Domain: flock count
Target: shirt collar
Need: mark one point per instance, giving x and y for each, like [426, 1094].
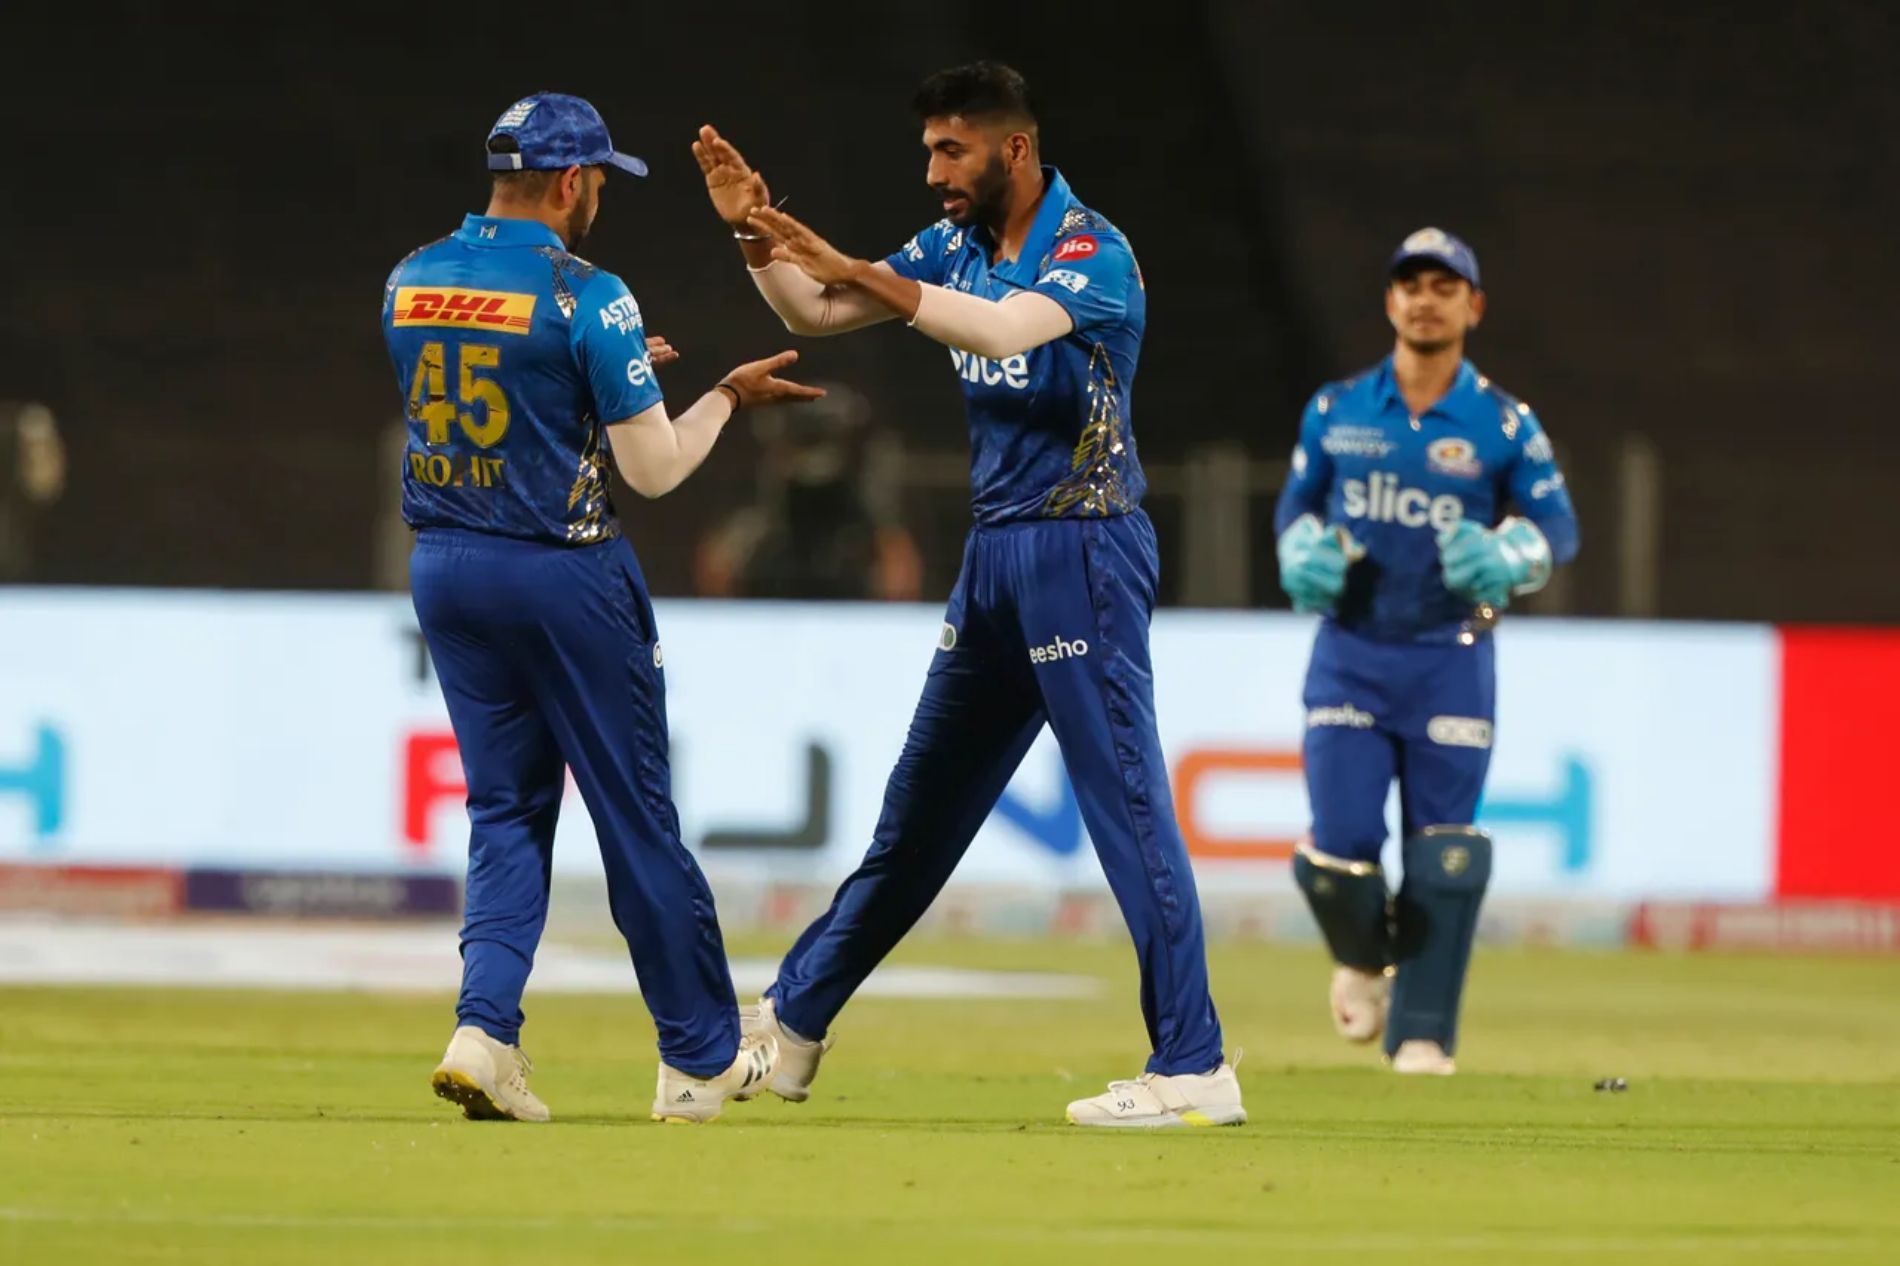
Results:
[1386, 388]
[494, 230]
[1056, 201]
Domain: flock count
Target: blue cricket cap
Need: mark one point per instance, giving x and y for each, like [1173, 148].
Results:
[552, 132]
[1439, 248]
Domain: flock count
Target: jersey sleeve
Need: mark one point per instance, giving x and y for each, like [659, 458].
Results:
[1537, 486]
[1091, 275]
[610, 347]
[1310, 480]
[922, 258]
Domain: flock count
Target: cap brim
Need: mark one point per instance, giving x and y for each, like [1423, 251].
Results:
[1425, 259]
[627, 163]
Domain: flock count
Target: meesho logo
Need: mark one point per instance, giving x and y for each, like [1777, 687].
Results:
[40, 780]
[1059, 649]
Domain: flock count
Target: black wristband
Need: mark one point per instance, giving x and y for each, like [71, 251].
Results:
[737, 399]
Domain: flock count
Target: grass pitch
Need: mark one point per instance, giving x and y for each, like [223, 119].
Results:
[1761, 1124]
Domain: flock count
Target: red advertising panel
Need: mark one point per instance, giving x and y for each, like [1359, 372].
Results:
[1840, 762]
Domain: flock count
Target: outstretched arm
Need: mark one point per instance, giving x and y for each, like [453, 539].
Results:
[656, 452]
[975, 324]
[811, 307]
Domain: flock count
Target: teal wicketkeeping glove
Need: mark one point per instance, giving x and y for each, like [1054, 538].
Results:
[1313, 562]
[1489, 566]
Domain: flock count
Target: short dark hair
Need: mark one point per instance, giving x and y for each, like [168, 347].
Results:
[529, 186]
[980, 90]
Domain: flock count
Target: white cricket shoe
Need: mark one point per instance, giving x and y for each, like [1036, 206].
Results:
[487, 1078]
[1420, 1057]
[1153, 1101]
[1361, 1000]
[797, 1056]
[683, 1100]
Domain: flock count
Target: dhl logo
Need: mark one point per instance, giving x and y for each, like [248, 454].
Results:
[488, 309]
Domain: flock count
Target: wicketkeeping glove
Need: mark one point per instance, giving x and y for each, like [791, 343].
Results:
[1313, 562]
[1488, 566]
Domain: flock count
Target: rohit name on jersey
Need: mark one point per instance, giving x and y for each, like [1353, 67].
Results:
[458, 470]
[1378, 498]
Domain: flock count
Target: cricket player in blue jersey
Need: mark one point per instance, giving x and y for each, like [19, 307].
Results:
[1042, 307]
[1393, 524]
[526, 371]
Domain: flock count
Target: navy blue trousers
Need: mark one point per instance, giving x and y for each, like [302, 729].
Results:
[1048, 623]
[1376, 711]
[549, 660]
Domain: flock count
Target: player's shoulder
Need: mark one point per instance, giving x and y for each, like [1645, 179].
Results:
[940, 239]
[1084, 231]
[1345, 393]
[1514, 416]
[413, 257]
[574, 282]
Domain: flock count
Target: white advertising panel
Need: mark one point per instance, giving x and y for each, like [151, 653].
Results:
[1630, 760]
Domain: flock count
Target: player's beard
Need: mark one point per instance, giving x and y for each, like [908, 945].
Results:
[1428, 346]
[989, 200]
[579, 221]
[987, 197]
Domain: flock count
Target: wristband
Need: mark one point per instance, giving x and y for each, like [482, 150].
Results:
[737, 400]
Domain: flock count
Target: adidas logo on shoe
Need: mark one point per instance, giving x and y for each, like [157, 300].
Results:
[682, 1098]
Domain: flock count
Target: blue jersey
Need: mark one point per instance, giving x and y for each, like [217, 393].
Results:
[1050, 435]
[1396, 482]
[513, 355]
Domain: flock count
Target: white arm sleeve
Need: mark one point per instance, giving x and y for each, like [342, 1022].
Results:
[655, 453]
[996, 330]
[807, 307]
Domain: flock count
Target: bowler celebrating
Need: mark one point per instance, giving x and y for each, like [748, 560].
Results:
[1393, 524]
[1042, 306]
[527, 370]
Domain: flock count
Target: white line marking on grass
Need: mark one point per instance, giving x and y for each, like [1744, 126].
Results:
[401, 960]
[1358, 1243]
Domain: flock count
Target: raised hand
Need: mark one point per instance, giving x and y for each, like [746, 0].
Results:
[755, 381]
[735, 189]
[797, 244]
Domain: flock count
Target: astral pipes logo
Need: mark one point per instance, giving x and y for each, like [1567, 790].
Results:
[41, 780]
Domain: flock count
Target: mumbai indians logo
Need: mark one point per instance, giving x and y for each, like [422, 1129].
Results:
[1427, 241]
[517, 114]
[1454, 457]
[1456, 859]
[502, 311]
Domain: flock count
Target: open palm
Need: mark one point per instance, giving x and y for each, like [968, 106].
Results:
[735, 189]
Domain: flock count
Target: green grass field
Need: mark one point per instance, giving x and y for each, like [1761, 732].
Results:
[1762, 1124]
